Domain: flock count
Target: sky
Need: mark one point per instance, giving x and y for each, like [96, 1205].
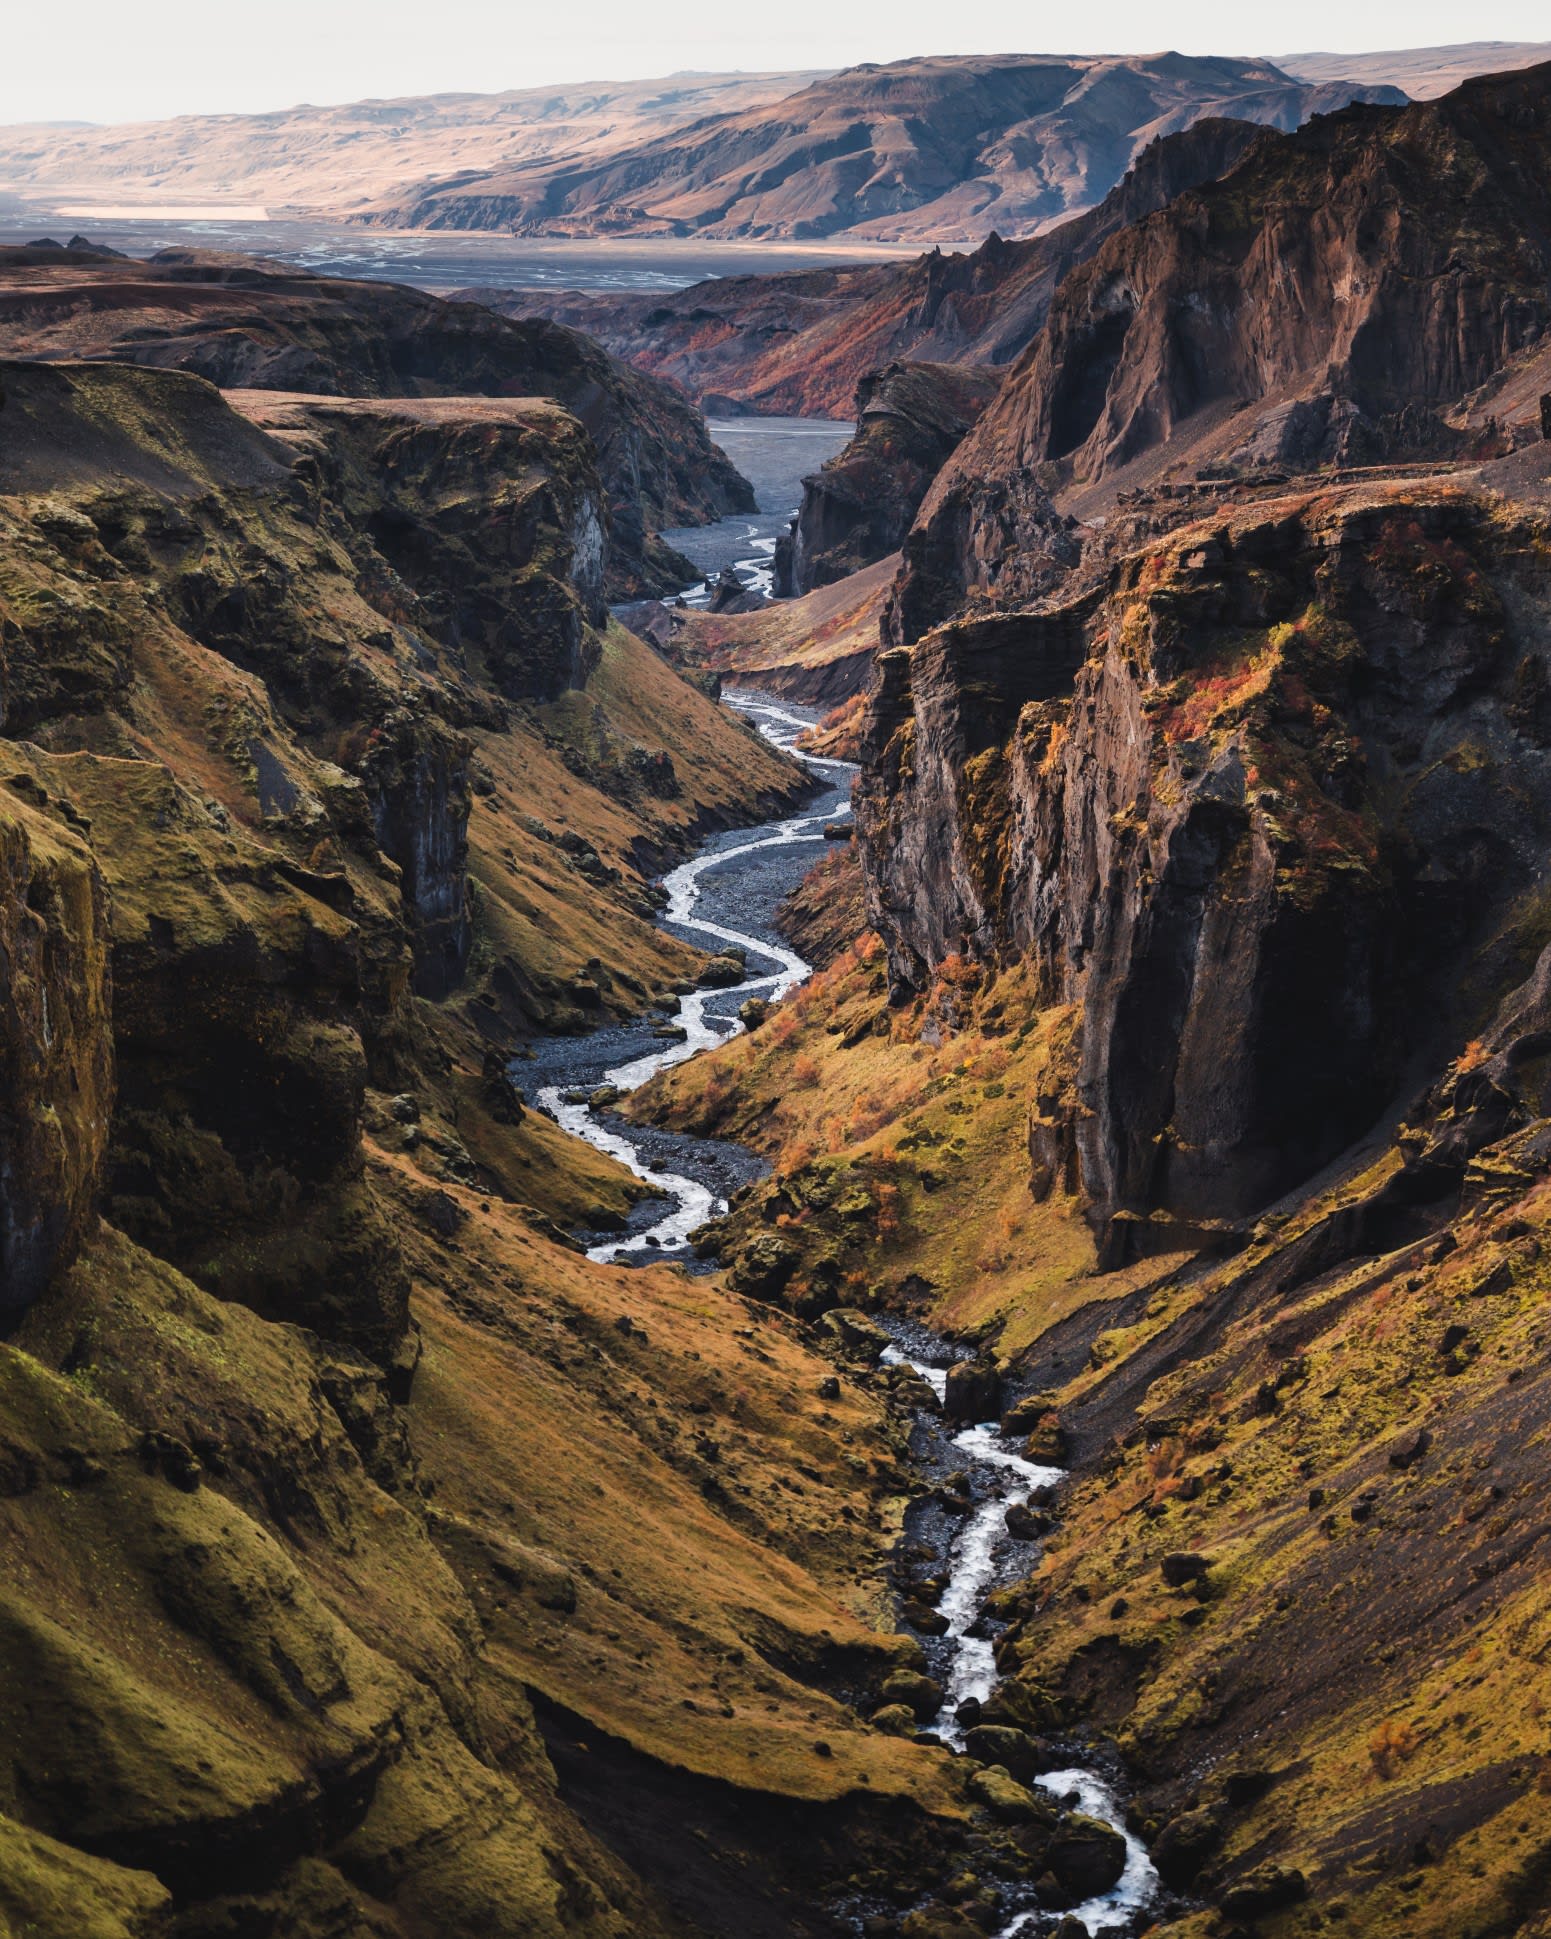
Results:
[108, 60]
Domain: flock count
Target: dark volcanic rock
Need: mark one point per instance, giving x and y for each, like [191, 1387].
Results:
[801, 341]
[910, 417]
[1326, 300]
[56, 1044]
[1247, 835]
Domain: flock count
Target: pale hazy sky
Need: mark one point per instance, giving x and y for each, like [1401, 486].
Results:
[118, 60]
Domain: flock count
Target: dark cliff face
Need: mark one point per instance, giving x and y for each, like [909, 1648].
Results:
[245, 325]
[1327, 300]
[800, 342]
[1252, 804]
[56, 1041]
[370, 578]
[860, 506]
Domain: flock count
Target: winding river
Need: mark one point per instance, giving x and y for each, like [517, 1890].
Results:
[727, 895]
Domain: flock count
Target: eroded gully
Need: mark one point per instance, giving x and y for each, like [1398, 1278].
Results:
[734, 875]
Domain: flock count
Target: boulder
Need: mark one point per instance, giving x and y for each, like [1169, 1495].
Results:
[895, 1720]
[1410, 1448]
[1023, 1755]
[722, 972]
[1025, 1414]
[1004, 1797]
[923, 1694]
[1022, 1705]
[1267, 1890]
[1182, 1568]
[974, 1391]
[856, 1332]
[1086, 1855]
[1047, 1444]
[763, 1269]
[1026, 1524]
[1183, 1846]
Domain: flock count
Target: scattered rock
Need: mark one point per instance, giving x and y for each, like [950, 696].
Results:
[924, 1619]
[829, 1388]
[1026, 1524]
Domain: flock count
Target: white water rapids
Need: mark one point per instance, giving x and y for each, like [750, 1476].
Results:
[974, 1555]
[972, 1569]
[693, 1202]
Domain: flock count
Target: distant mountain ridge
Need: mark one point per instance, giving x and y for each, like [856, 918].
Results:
[1423, 72]
[934, 149]
[801, 341]
[339, 157]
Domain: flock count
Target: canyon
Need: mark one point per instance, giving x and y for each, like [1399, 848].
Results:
[863, 1263]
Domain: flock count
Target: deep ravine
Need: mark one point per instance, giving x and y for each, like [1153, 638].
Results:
[982, 1552]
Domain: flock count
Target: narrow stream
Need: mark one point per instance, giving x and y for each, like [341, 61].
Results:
[742, 876]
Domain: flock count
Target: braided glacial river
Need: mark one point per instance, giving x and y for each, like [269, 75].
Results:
[728, 895]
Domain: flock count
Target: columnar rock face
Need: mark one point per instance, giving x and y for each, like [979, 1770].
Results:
[56, 1041]
[860, 506]
[1251, 804]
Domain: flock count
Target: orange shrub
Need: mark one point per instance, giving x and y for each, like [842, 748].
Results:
[1391, 1745]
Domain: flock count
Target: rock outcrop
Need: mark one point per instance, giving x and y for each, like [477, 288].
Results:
[245, 325]
[857, 510]
[56, 1041]
[1329, 300]
[1252, 805]
[800, 341]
